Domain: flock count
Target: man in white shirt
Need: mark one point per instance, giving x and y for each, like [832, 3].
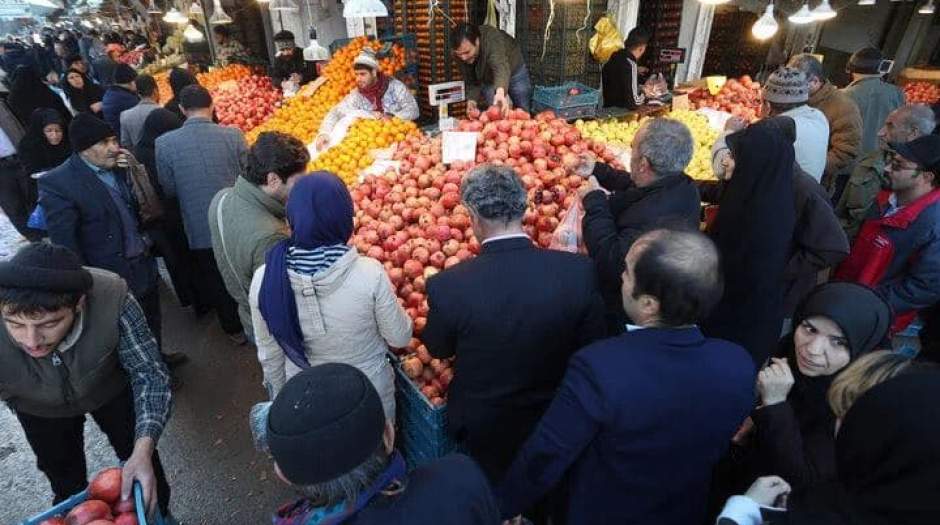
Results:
[375, 92]
[786, 93]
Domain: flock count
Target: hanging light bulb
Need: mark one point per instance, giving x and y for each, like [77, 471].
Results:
[927, 9]
[866, 2]
[283, 5]
[153, 9]
[196, 9]
[219, 16]
[191, 34]
[314, 51]
[263, 1]
[766, 26]
[714, 2]
[803, 16]
[364, 9]
[173, 16]
[823, 11]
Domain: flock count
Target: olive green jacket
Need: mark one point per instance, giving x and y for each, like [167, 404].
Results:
[866, 180]
[499, 58]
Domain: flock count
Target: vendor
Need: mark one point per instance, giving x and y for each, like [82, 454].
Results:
[74, 342]
[227, 47]
[621, 74]
[289, 63]
[493, 69]
[375, 92]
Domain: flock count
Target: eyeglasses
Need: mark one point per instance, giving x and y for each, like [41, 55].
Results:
[896, 162]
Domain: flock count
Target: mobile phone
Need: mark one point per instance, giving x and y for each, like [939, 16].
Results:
[885, 66]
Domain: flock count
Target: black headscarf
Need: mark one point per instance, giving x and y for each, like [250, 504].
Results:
[30, 93]
[179, 79]
[753, 232]
[864, 318]
[82, 99]
[158, 122]
[34, 150]
[887, 457]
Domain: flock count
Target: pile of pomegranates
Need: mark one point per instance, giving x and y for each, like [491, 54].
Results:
[104, 505]
[413, 222]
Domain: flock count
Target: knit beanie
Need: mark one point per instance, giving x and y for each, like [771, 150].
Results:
[325, 422]
[86, 130]
[925, 151]
[865, 61]
[46, 267]
[786, 85]
[124, 74]
[367, 58]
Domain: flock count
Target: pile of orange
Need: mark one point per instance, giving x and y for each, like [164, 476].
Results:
[163, 85]
[301, 116]
[211, 79]
[353, 153]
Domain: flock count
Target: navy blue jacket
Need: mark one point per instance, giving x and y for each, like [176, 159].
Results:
[117, 99]
[513, 317]
[82, 216]
[638, 424]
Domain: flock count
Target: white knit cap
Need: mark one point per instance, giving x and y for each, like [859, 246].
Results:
[367, 58]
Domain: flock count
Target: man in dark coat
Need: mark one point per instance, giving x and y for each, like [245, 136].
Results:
[512, 317]
[289, 63]
[640, 420]
[91, 209]
[655, 193]
[621, 74]
[351, 473]
[120, 96]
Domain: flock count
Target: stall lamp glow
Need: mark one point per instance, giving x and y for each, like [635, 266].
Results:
[283, 5]
[364, 9]
[823, 11]
[98, 20]
[87, 24]
[153, 9]
[173, 16]
[866, 2]
[219, 16]
[191, 34]
[263, 1]
[196, 9]
[766, 26]
[927, 9]
[714, 2]
[803, 16]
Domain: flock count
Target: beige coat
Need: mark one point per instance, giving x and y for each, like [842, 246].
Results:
[348, 314]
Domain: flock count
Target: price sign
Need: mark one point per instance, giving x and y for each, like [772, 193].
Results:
[680, 102]
[459, 145]
[672, 55]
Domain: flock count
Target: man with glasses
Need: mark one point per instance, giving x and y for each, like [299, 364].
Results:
[897, 249]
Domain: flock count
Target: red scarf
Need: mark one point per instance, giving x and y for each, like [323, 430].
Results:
[376, 91]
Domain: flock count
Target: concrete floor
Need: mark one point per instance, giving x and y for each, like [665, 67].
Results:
[215, 473]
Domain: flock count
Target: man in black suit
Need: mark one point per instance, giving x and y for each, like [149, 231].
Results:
[512, 316]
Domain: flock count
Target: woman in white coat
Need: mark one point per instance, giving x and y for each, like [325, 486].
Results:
[316, 300]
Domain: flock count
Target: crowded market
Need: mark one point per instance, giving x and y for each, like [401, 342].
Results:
[482, 262]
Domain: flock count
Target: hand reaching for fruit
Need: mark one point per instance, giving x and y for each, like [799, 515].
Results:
[585, 166]
[735, 123]
[592, 185]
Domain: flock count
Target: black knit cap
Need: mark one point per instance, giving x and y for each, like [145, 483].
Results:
[326, 421]
[86, 130]
[124, 74]
[925, 151]
[46, 267]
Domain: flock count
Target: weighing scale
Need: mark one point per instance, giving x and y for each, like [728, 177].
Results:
[441, 95]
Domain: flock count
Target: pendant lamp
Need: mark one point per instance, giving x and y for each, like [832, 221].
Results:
[803, 16]
[219, 16]
[766, 26]
[927, 9]
[823, 11]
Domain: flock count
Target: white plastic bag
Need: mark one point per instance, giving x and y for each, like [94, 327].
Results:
[567, 236]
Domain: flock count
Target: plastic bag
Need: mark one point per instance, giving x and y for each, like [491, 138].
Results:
[606, 40]
[567, 236]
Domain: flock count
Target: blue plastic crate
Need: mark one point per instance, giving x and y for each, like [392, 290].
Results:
[572, 113]
[422, 435]
[557, 96]
[64, 507]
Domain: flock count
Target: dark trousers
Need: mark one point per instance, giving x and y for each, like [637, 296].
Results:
[18, 197]
[59, 446]
[212, 287]
[150, 303]
[169, 242]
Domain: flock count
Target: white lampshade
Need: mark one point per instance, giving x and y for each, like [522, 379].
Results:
[219, 16]
[927, 9]
[191, 34]
[803, 16]
[364, 9]
[766, 26]
[283, 5]
[263, 1]
[153, 9]
[173, 16]
[866, 2]
[196, 9]
[714, 2]
[823, 11]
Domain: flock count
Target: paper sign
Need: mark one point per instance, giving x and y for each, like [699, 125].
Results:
[459, 146]
[680, 102]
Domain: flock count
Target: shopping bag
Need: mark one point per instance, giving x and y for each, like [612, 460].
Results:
[567, 236]
[606, 40]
